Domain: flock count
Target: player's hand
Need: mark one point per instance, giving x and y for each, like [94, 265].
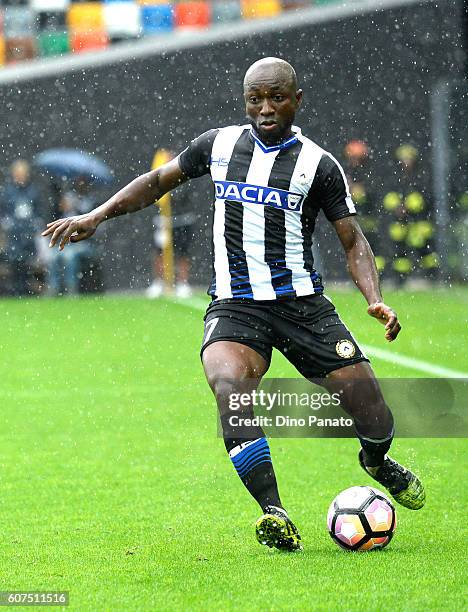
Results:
[71, 229]
[387, 317]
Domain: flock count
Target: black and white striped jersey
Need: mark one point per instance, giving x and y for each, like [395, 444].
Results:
[266, 202]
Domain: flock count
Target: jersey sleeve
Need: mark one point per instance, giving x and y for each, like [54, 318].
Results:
[331, 189]
[194, 161]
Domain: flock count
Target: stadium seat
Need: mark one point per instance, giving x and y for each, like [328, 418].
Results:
[14, 2]
[289, 5]
[192, 14]
[49, 5]
[253, 9]
[157, 18]
[225, 11]
[51, 21]
[20, 48]
[87, 41]
[19, 21]
[86, 16]
[53, 43]
[122, 19]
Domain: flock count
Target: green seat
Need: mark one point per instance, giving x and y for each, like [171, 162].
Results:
[53, 43]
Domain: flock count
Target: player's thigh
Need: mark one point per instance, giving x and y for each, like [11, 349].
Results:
[236, 351]
[225, 359]
[236, 343]
[314, 338]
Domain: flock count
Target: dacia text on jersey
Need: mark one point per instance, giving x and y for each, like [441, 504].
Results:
[255, 194]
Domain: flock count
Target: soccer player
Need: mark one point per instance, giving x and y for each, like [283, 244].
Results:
[270, 182]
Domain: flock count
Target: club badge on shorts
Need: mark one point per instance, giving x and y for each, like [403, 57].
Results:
[345, 349]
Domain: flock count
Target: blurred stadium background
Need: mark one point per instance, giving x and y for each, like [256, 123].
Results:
[385, 92]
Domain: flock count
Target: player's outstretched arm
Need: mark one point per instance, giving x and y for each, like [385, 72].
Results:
[361, 266]
[140, 193]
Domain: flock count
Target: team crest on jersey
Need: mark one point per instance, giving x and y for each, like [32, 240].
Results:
[255, 194]
[345, 349]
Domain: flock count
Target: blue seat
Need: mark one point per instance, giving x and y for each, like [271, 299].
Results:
[19, 21]
[157, 18]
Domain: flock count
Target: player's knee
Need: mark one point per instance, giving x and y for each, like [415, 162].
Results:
[225, 390]
[388, 414]
[379, 408]
[228, 384]
[221, 373]
[230, 374]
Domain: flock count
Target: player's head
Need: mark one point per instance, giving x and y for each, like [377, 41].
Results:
[271, 98]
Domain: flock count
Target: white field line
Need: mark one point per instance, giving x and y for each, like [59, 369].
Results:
[374, 351]
[411, 362]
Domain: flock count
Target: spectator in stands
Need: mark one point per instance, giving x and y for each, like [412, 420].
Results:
[183, 221]
[357, 170]
[20, 221]
[64, 269]
[409, 225]
[4, 267]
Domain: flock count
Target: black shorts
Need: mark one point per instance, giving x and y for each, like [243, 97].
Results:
[182, 238]
[307, 330]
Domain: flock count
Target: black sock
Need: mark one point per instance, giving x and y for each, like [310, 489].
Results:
[252, 461]
[375, 449]
[373, 419]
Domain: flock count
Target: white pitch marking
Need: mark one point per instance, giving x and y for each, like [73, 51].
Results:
[411, 362]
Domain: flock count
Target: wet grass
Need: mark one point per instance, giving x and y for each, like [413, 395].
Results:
[115, 487]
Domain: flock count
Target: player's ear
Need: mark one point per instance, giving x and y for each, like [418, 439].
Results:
[299, 94]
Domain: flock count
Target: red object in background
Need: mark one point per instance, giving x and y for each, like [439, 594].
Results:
[192, 14]
[20, 48]
[88, 40]
[356, 148]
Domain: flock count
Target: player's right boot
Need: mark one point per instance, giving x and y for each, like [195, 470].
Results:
[275, 528]
[404, 486]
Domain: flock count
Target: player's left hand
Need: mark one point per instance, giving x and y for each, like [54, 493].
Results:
[387, 317]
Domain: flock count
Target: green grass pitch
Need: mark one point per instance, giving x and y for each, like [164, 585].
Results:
[115, 487]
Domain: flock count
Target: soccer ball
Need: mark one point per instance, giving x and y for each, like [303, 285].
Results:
[361, 518]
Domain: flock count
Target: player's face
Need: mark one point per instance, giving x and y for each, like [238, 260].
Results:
[271, 103]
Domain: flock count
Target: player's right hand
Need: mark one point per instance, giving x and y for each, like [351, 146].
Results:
[71, 229]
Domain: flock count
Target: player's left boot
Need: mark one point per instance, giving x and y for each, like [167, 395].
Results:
[275, 528]
[404, 486]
